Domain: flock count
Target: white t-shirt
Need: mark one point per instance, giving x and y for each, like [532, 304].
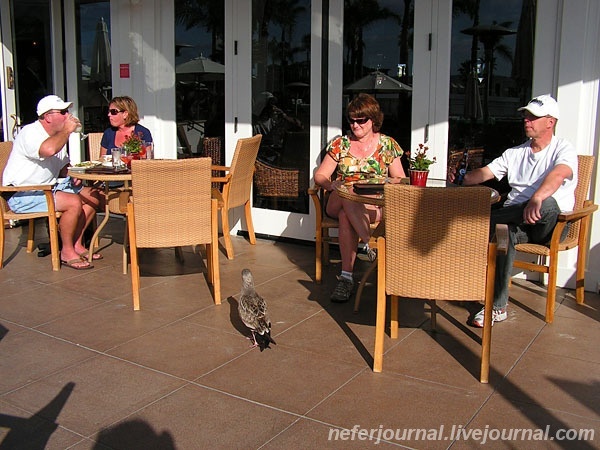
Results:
[25, 166]
[527, 170]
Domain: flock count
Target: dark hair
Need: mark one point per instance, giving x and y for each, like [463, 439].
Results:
[126, 103]
[365, 105]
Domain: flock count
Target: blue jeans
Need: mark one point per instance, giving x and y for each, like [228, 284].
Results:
[520, 232]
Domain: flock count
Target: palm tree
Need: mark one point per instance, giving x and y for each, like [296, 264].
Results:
[358, 14]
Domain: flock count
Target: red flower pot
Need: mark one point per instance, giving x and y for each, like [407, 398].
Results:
[418, 177]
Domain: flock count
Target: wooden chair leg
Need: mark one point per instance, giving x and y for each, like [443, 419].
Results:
[31, 236]
[249, 223]
[226, 235]
[2, 237]
[380, 316]
[125, 248]
[394, 324]
[54, 246]
[551, 295]
[318, 255]
[213, 250]
[133, 252]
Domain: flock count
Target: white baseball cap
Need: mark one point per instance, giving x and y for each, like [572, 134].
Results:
[542, 105]
[50, 102]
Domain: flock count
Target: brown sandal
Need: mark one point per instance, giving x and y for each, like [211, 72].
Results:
[77, 264]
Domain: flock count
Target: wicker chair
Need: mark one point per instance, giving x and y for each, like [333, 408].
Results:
[236, 189]
[161, 214]
[94, 147]
[577, 236]
[7, 214]
[427, 234]
[278, 182]
[475, 158]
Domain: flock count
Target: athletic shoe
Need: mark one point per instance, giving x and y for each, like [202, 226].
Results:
[498, 315]
[343, 290]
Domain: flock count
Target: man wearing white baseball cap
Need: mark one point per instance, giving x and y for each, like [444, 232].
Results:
[542, 174]
[39, 156]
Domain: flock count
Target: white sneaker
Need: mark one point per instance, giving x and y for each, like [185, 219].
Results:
[498, 315]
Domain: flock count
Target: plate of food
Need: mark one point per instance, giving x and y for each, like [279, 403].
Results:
[82, 166]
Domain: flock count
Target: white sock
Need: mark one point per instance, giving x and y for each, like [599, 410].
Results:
[347, 275]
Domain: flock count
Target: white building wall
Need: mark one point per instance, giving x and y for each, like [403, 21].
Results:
[567, 64]
[143, 41]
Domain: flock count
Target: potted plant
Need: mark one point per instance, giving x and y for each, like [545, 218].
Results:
[419, 166]
[134, 146]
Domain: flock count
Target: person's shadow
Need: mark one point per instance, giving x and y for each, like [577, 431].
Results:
[34, 432]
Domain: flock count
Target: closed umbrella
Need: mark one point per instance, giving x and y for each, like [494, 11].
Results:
[101, 60]
[473, 109]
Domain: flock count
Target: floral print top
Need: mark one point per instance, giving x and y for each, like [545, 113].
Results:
[351, 168]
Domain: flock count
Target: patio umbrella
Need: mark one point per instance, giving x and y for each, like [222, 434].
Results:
[377, 82]
[100, 70]
[473, 108]
[201, 66]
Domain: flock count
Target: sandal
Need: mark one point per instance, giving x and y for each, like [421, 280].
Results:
[95, 256]
[77, 264]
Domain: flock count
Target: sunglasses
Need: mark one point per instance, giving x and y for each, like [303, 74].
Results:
[360, 121]
[62, 112]
[114, 112]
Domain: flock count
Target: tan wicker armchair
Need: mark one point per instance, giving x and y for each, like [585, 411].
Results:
[279, 182]
[577, 236]
[237, 184]
[427, 234]
[94, 148]
[162, 214]
[7, 214]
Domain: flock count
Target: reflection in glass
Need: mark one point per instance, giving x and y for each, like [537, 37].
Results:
[200, 78]
[33, 62]
[378, 61]
[491, 73]
[280, 103]
[94, 64]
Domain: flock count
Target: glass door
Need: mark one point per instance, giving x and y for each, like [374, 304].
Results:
[491, 75]
[200, 78]
[27, 61]
[281, 67]
[378, 60]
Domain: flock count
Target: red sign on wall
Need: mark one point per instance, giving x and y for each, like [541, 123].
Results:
[124, 70]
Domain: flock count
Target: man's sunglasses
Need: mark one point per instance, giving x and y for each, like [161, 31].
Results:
[62, 112]
[360, 121]
[114, 112]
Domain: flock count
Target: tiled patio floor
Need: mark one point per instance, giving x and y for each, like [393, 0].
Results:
[80, 369]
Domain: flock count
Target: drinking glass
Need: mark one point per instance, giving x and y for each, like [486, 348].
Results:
[116, 157]
[149, 149]
[79, 130]
[126, 157]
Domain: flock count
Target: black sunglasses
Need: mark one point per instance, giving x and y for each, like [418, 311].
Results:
[360, 121]
[114, 112]
[62, 112]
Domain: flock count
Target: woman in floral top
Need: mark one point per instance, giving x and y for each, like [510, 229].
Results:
[362, 154]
